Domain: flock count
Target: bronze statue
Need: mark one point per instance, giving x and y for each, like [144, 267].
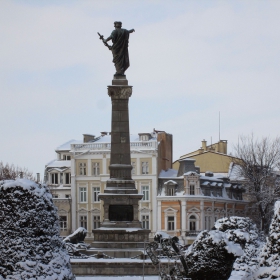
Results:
[119, 37]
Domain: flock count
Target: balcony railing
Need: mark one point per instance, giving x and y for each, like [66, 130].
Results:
[107, 146]
[192, 232]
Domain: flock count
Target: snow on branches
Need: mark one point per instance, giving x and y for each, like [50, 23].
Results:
[231, 249]
[30, 245]
[270, 254]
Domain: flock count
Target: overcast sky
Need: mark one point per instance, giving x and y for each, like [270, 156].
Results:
[189, 60]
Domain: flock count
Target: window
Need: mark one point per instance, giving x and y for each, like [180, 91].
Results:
[83, 221]
[133, 170]
[95, 169]
[192, 222]
[63, 222]
[96, 222]
[54, 178]
[191, 189]
[55, 195]
[145, 167]
[170, 191]
[95, 191]
[67, 196]
[61, 178]
[83, 194]
[82, 168]
[145, 192]
[66, 157]
[145, 222]
[170, 223]
[68, 178]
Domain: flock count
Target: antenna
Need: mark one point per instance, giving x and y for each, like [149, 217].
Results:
[219, 126]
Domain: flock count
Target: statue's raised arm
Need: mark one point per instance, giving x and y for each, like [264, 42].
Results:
[120, 38]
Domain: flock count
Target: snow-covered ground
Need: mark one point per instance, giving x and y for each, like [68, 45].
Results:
[118, 277]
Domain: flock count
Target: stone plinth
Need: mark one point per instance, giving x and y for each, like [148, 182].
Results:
[113, 267]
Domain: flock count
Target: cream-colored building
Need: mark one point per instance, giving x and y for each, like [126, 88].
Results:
[89, 169]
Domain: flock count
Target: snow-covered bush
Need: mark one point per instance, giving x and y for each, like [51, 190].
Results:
[30, 246]
[243, 231]
[211, 256]
[270, 254]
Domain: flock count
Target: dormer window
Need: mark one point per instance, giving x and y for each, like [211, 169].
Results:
[65, 157]
[170, 191]
[144, 136]
[170, 188]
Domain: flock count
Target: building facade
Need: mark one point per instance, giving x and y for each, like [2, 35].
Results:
[88, 163]
[188, 202]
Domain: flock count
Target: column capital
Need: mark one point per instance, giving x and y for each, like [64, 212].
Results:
[119, 92]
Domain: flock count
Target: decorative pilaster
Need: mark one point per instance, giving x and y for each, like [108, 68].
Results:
[202, 226]
[184, 218]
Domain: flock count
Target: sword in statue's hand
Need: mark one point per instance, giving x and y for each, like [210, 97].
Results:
[101, 37]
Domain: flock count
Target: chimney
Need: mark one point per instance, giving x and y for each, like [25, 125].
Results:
[200, 150]
[204, 144]
[21, 175]
[88, 138]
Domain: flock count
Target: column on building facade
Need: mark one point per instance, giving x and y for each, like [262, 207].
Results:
[138, 167]
[154, 189]
[202, 224]
[73, 195]
[226, 207]
[159, 215]
[184, 217]
[104, 164]
[213, 213]
[89, 167]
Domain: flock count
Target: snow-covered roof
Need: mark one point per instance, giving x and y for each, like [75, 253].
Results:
[170, 182]
[170, 173]
[67, 146]
[190, 173]
[107, 139]
[59, 163]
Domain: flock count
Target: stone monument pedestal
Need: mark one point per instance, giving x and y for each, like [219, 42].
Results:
[120, 228]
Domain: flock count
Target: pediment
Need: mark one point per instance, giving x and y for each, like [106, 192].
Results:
[170, 210]
[194, 209]
[145, 210]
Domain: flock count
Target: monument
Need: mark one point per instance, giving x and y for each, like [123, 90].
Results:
[121, 228]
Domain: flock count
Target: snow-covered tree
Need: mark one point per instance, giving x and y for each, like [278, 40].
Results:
[244, 232]
[211, 256]
[256, 161]
[30, 246]
[10, 171]
[270, 254]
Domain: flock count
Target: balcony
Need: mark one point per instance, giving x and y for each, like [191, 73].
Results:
[139, 145]
[192, 232]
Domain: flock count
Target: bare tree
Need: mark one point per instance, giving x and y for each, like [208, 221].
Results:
[9, 172]
[257, 162]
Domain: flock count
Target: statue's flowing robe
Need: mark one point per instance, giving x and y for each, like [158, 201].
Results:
[120, 49]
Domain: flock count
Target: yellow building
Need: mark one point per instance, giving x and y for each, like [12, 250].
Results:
[209, 158]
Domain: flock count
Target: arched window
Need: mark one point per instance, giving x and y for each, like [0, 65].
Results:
[192, 220]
